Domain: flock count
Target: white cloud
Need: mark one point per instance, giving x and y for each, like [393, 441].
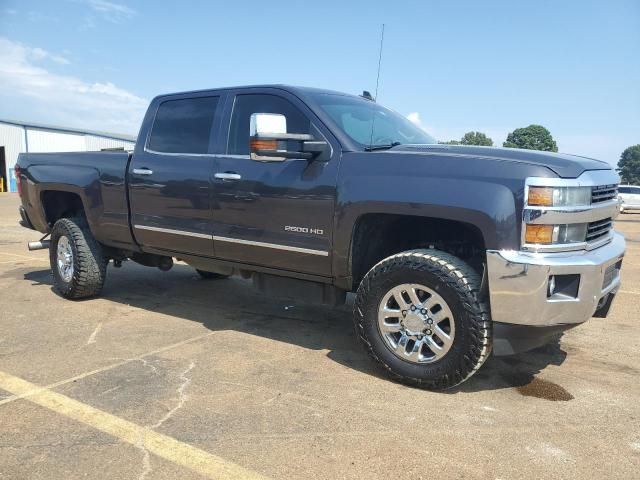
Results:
[31, 92]
[38, 54]
[113, 12]
[414, 117]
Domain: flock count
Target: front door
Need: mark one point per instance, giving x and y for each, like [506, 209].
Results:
[275, 213]
[170, 176]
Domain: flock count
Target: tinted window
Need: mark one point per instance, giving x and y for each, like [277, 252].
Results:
[624, 190]
[245, 105]
[183, 126]
[368, 123]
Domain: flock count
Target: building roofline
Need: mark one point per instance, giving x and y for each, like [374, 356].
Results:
[44, 126]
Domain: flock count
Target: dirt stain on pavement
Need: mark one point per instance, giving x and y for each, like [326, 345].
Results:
[544, 389]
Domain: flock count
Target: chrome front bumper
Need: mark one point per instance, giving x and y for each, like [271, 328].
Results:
[519, 282]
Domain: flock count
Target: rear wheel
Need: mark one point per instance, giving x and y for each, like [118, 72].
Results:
[211, 275]
[420, 316]
[78, 263]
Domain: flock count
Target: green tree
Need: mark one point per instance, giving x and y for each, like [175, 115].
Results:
[533, 137]
[476, 138]
[629, 165]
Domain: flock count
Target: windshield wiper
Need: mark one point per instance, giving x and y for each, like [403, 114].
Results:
[384, 146]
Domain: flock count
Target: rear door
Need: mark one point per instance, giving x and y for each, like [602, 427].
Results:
[274, 213]
[170, 174]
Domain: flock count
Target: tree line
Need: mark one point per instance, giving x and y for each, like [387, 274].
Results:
[537, 137]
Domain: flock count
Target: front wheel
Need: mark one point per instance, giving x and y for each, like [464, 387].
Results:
[420, 316]
[78, 263]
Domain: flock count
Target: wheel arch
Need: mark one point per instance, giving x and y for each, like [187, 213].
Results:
[376, 236]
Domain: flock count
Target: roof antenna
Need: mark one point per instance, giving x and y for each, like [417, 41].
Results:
[373, 119]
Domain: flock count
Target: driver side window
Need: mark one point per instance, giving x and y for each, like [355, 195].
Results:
[245, 105]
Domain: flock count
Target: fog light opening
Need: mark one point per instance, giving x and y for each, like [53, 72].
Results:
[551, 286]
[563, 287]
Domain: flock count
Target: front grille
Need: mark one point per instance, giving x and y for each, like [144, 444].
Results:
[603, 193]
[599, 229]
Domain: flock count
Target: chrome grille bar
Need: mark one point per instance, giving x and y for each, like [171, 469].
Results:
[598, 229]
[603, 193]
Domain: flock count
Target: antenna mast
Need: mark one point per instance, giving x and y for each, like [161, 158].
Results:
[379, 61]
[375, 99]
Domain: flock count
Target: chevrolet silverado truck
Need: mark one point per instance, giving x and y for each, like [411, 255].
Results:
[452, 251]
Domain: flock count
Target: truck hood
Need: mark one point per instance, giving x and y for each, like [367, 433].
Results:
[564, 165]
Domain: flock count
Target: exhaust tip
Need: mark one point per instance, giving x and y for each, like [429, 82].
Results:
[41, 245]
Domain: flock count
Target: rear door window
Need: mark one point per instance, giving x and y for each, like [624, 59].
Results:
[183, 125]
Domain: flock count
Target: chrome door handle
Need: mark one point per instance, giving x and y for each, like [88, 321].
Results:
[142, 171]
[228, 176]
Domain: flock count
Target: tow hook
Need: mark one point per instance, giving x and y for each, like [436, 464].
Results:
[41, 244]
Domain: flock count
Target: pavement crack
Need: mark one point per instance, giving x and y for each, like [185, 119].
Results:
[147, 468]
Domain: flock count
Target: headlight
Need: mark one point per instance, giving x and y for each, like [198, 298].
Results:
[555, 234]
[559, 196]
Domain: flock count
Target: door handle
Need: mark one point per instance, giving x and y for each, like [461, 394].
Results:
[142, 171]
[228, 176]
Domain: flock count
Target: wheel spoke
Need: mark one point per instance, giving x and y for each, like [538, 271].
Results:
[437, 350]
[439, 316]
[399, 298]
[391, 313]
[414, 355]
[413, 294]
[387, 327]
[401, 346]
[430, 302]
[446, 339]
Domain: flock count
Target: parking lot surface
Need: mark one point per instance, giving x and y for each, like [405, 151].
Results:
[170, 376]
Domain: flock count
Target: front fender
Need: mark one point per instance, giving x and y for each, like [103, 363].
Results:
[489, 207]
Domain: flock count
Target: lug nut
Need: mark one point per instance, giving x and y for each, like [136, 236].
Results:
[428, 332]
[404, 313]
[413, 308]
[429, 321]
[423, 311]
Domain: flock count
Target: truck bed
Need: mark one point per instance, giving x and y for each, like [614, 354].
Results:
[98, 179]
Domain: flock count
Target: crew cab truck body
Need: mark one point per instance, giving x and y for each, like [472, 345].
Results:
[452, 251]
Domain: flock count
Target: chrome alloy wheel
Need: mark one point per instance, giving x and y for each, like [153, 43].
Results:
[64, 259]
[416, 323]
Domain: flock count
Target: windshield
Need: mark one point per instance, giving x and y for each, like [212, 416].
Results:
[355, 116]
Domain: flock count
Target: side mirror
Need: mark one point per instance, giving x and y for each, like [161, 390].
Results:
[270, 142]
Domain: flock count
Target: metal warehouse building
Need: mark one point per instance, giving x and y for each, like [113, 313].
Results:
[19, 137]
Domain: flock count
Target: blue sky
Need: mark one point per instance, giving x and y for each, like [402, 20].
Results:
[453, 66]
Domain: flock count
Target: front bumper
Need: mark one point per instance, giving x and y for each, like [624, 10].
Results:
[519, 284]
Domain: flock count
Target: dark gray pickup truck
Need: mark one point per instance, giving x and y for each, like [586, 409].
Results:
[452, 251]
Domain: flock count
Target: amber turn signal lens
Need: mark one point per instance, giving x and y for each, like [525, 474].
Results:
[539, 234]
[541, 196]
[257, 144]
